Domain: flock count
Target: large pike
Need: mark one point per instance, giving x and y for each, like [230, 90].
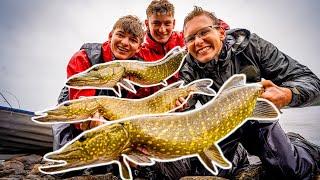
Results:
[113, 108]
[114, 74]
[168, 137]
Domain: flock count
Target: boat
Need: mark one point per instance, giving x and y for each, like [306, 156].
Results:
[20, 135]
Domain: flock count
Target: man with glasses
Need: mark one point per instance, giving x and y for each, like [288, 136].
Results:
[216, 54]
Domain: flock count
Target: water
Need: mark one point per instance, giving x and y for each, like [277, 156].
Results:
[305, 121]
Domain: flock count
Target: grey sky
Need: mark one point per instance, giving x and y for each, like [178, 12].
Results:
[39, 37]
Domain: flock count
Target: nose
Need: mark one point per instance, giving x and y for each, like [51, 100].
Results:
[162, 28]
[198, 40]
[125, 41]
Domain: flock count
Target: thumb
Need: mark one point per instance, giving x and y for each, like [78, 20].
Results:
[267, 83]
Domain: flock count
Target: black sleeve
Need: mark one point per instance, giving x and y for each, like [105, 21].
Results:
[286, 72]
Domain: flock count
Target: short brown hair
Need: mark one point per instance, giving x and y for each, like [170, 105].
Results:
[157, 7]
[197, 11]
[130, 24]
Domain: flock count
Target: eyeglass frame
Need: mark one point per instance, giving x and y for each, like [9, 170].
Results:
[187, 39]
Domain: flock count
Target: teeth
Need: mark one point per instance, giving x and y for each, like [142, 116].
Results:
[203, 50]
[122, 49]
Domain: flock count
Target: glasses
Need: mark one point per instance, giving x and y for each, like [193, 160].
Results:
[202, 33]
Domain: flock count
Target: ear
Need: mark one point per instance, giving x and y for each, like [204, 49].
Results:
[146, 22]
[110, 35]
[139, 48]
[222, 33]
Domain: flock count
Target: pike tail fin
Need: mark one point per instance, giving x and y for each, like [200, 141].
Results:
[202, 86]
[265, 111]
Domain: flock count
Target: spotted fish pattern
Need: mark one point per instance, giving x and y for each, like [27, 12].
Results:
[113, 108]
[114, 75]
[168, 137]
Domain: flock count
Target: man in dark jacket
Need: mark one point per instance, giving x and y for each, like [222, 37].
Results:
[216, 54]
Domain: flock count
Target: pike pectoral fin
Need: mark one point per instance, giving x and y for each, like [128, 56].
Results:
[216, 155]
[164, 83]
[125, 83]
[265, 111]
[139, 158]
[208, 163]
[125, 170]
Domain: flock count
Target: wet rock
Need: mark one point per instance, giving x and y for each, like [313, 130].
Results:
[29, 160]
[6, 172]
[108, 176]
[17, 166]
[202, 178]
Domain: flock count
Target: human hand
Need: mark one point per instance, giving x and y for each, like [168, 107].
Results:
[279, 96]
[91, 124]
[179, 103]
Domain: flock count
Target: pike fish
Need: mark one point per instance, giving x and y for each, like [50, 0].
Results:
[112, 75]
[168, 137]
[113, 108]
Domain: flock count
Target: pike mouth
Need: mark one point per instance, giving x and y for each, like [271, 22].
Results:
[82, 81]
[68, 155]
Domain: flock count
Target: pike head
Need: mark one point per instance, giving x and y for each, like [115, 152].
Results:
[99, 146]
[100, 76]
[74, 110]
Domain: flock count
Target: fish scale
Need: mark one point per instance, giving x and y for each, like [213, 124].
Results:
[112, 108]
[172, 136]
[115, 74]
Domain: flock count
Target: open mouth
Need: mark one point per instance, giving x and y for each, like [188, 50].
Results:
[203, 50]
[122, 49]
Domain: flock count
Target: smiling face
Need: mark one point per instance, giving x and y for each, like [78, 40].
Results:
[206, 39]
[124, 45]
[160, 27]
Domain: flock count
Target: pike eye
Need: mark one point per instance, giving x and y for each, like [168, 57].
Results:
[95, 68]
[67, 104]
[82, 138]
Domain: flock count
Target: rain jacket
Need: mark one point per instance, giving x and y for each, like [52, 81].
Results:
[247, 53]
[153, 51]
[89, 55]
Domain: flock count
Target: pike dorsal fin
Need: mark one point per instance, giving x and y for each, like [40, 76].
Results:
[234, 81]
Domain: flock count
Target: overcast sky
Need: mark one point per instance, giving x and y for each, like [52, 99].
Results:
[39, 37]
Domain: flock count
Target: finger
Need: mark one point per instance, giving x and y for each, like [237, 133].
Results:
[178, 103]
[85, 125]
[267, 83]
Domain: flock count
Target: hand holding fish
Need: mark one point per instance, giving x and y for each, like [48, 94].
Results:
[83, 126]
[279, 96]
[181, 102]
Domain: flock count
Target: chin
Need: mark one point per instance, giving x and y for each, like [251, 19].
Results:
[162, 40]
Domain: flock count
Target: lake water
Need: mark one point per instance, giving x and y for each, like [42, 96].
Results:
[305, 121]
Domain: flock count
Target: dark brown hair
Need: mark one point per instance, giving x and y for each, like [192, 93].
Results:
[130, 24]
[197, 11]
[158, 7]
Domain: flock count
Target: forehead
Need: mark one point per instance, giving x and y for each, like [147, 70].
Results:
[197, 23]
[125, 33]
[161, 17]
